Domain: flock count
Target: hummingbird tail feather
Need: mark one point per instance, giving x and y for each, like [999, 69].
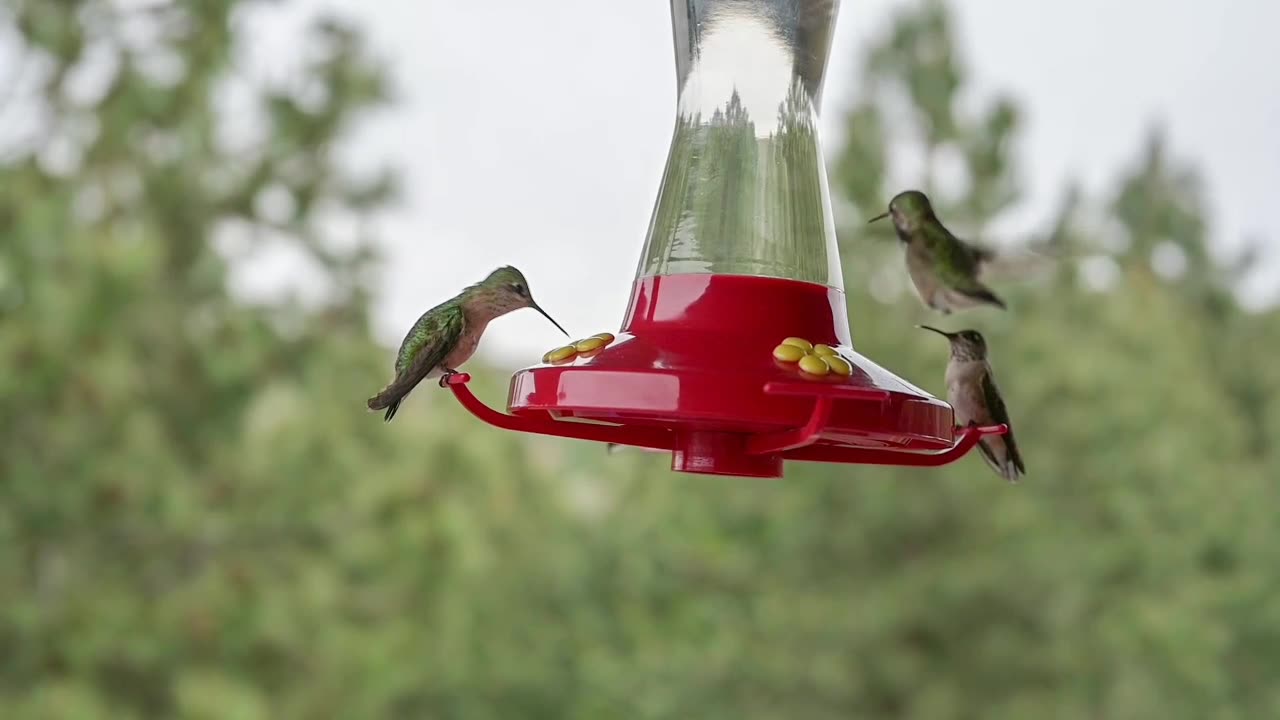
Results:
[1018, 468]
[390, 398]
[392, 395]
[391, 411]
[1011, 472]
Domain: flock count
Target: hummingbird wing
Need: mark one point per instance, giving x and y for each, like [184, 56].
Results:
[437, 331]
[956, 265]
[961, 263]
[980, 255]
[1000, 415]
[1018, 264]
[428, 343]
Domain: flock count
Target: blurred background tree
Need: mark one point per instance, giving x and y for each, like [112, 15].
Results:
[198, 519]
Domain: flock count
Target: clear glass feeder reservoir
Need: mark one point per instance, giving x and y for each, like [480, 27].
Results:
[740, 254]
[745, 188]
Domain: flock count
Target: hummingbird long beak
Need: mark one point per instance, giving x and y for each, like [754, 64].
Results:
[881, 216]
[946, 335]
[535, 306]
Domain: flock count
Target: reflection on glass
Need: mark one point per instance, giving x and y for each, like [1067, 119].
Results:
[745, 189]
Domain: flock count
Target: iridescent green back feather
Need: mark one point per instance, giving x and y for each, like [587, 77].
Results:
[431, 337]
[955, 262]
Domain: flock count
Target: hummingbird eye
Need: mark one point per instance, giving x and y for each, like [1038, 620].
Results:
[518, 288]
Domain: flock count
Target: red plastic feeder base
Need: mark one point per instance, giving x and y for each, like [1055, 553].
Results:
[692, 372]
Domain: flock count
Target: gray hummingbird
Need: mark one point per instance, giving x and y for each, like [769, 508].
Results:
[943, 268]
[973, 395]
[447, 335]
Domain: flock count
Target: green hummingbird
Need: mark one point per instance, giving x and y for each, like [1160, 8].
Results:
[447, 335]
[943, 268]
[975, 399]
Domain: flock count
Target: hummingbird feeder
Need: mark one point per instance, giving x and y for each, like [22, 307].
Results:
[735, 352]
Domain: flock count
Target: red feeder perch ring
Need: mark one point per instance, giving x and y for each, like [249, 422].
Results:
[740, 255]
[680, 378]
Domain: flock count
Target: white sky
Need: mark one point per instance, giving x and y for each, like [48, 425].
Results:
[535, 133]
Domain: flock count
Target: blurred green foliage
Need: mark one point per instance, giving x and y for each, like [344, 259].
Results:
[198, 519]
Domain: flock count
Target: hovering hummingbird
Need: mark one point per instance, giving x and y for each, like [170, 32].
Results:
[447, 334]
[972, 393]
[943, 268]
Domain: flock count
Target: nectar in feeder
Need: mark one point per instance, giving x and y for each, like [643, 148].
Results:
[740, 251]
